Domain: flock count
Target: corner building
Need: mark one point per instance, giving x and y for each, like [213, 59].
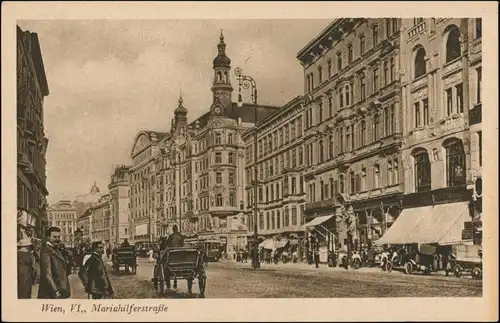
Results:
[196, 170]
[352, 130]
[441, 78]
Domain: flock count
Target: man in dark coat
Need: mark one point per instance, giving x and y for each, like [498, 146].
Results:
[176, 239]
[26, 269]
[125, 243]
[54, 281]
[94, 275]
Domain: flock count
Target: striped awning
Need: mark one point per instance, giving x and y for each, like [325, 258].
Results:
[405, 223]
[442, 224]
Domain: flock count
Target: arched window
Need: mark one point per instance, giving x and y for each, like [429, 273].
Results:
[225, 80]
[347, 98]
[420, 63]
[341, 184]
[422, 169]
[455, 162]
[453, 45]
[219, 76]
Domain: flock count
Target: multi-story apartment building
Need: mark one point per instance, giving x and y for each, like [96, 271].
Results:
[280, 163]
[63, 215]
[441, 152]
[32, 88]
[142, 179]
[84, 224]
[100, 218]
[196, 170]
[119, 201]
[352, 129]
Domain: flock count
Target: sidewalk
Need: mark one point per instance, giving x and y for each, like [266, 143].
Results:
[323, 267]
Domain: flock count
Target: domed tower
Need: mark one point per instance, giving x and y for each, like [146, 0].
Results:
[180, 121]
[221, 87]
[94, 189]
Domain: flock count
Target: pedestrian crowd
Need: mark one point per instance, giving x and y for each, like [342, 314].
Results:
[51, 264]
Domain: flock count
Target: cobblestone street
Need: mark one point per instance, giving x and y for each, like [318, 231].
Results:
[230, 280]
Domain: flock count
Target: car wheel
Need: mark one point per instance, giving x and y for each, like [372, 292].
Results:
[408, 268]
[476, 273]
[388, 266]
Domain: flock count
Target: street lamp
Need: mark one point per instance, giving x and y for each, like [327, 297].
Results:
[246, 82]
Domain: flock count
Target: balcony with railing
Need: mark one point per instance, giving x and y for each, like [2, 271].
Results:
[417, 30]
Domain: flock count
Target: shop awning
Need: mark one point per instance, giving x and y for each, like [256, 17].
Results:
[404, 225]
[317, 221]
[445, 222]
[281, 243]
[454, 234]
[267, 244]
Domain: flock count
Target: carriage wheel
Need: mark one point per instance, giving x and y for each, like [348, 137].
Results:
[388, 266]
[202, 283]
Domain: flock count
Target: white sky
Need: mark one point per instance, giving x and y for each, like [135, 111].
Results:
[108, 79]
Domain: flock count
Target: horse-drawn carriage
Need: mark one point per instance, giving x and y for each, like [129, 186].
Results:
[126, 257]
[180, 263]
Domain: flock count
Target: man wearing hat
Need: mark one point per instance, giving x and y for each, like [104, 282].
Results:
[26, 269]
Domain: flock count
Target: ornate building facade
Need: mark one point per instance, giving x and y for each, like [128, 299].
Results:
[197, 169]
[63, 215]
[142, 182]
[32, 88]
[441, 152]
[100, 218]
[280, 163]
[352, 129]
[119, 202]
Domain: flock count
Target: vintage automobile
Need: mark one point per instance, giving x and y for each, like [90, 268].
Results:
[355, 261]
[468, 259]
[413, 258]
[124, 257]
[420, 258]
[180, 263]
